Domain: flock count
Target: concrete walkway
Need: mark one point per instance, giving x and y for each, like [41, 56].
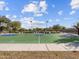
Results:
[40, 47]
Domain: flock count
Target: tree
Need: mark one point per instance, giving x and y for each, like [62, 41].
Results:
[22, 30]
[15, 26]
[57, 27]
[4, 19]
[77, 27]
[4, 23]
[69, 30]
[37, 30]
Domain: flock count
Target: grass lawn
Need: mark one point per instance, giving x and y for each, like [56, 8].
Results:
[34, 38]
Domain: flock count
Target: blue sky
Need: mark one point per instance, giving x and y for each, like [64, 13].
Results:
[63, 12]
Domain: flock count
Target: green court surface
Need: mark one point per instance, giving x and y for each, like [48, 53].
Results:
[38, 38]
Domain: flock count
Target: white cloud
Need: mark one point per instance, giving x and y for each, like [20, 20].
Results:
[38, 9]
[53, 6]
[36, 2]
[60, 12]
[68, 18]
[3, 6]
[30, 8]
[8, 16]
[43, 6]
[38, 14]
[74, 4]
[72, 12]
[26, 21]
[57, 20]
[50, 20]
[7, 9]
[35, 23]
[12, 17]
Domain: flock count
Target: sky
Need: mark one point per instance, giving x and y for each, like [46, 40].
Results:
[63, 12]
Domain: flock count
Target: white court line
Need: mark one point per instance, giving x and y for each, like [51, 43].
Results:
[37, 47]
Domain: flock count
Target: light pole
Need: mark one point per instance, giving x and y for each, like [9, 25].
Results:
[31, 24]
[46, 25]
[46, 30]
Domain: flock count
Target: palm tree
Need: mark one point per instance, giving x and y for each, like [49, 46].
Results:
[77, 27]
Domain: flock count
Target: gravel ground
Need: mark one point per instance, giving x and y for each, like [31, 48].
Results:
[39, 55]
